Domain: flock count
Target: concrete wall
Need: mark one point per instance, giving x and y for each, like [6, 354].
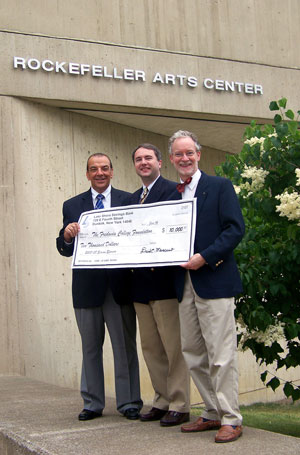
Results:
[260, 31]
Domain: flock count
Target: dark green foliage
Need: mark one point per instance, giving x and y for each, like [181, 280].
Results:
[269, 255]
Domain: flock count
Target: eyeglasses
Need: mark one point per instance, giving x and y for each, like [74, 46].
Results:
[181, 154]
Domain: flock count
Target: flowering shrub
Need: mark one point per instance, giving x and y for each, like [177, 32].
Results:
[266, 176]
[289, 205]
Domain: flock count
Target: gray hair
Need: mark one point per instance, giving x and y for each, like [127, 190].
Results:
[182, 133]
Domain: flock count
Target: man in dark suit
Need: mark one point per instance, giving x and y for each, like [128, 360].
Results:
[157, 309]
[95, 292]
[206, 286]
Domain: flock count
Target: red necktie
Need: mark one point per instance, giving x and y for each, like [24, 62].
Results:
[180, 187]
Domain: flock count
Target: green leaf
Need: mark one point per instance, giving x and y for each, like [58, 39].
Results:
[274, 383]
[274, 288]
[296, 394]
[282, 129]
[288, 389]
[292, 330]
[290, 114]
[293, 127]
[277, 118]
[268, 129]
[263, 376]
[275, 142]
[282, 102]
[292, 231]
[273, 106]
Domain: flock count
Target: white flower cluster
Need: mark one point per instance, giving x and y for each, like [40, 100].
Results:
[257, 176]
[255, 140]
[289, 205]
[273, 135]
[237, 189]
[258, 140]
[273, 333]
[297, 171]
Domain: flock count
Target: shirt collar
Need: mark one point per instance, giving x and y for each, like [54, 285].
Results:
[151, 184]
[195, 180]
[105, 193]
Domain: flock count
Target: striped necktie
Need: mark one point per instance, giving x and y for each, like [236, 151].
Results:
[144, 195]
[99, 203]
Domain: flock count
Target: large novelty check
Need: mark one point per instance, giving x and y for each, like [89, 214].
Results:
[144, 235]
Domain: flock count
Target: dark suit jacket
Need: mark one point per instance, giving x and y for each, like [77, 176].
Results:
[155, 283]
[89, 286]
[219, 229]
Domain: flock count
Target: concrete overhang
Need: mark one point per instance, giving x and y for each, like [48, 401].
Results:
[223, 133]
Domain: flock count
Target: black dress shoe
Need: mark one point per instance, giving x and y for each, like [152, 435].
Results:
[132, 414]
[86, 414]
[174, 418]
[153, 414]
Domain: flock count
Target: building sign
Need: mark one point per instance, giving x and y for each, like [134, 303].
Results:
[135, 75]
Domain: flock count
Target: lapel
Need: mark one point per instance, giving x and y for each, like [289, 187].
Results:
[201, 191]
[87, 201]
[155, 192]
[114, 198]
[135, 198]
[175, 195]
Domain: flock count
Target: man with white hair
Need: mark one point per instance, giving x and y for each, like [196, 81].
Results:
[206, 286]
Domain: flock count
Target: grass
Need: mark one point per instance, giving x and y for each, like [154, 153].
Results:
[283, 417]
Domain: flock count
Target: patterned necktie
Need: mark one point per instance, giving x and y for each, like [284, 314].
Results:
[144, 195]
[99, 203]
[180, 187]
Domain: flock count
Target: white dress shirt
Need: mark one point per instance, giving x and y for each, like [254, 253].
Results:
[190, 189]
[107, 197]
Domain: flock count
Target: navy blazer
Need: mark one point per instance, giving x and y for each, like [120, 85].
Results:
[89, 286]
[155, 283]
[219, 229]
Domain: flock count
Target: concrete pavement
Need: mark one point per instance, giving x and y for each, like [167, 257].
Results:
[38, 418]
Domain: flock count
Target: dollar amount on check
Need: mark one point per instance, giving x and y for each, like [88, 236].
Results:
[144, 235]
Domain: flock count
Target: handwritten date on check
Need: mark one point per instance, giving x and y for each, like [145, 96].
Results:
[144, 235]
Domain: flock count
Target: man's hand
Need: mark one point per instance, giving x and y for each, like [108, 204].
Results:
[71, 230]
[195, 262]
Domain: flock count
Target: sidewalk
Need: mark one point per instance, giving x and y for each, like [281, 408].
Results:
[38, 418]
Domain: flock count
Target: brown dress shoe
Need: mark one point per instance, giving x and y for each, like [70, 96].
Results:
[227, 433]
[200, 425]
[153, 414]
[174, 418]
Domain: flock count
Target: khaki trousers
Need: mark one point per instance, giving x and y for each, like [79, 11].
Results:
[209, 344]
[160, 340]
